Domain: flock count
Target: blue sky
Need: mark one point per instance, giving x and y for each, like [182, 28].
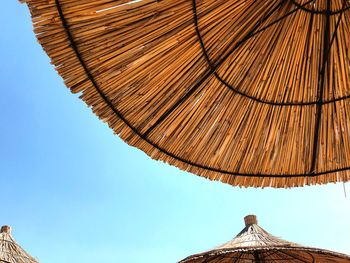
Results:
[74, 192]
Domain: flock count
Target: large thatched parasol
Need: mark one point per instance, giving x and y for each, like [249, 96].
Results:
[247, 92]
[10, 251]
[254, 244]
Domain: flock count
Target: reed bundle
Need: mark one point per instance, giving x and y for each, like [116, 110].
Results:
[247, 92]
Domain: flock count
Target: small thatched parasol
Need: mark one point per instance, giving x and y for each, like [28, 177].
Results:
[247, 92]
[254, 244]
[10, 251]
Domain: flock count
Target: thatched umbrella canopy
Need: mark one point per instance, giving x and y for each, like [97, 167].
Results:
[254, 244]
[247, 92]
[10, 251]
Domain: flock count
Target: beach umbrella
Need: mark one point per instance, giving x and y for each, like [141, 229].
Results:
[254, 244]
[247, 92]
[10, 251]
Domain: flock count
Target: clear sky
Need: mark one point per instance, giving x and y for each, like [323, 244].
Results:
[74, 192]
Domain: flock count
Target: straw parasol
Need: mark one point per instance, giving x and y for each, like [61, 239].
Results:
[254, 244]
[247, 92]
[10, 251]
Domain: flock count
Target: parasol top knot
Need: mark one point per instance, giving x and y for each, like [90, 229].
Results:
[6, 229]
[250, 220]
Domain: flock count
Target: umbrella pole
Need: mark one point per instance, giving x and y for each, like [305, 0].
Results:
[321, 84]
[258, 258]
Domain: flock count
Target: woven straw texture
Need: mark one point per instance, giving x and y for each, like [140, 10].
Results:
[254, 244]
[247, 92]
[11, 252]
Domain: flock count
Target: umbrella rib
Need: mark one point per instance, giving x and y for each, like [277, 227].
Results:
[156, 146]
[235, 89]
[269, 257]
[246, 38]
[327, 44]
[238, 258]
[249, 35]
[323, 12]
[221, 259]
[257, 257]
[312, 256]
[294, 256]
[212, 68]
[217, 257]
[279, 19]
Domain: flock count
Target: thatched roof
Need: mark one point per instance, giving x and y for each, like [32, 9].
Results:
[10, 251]
[254, 244]
[247, 92]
